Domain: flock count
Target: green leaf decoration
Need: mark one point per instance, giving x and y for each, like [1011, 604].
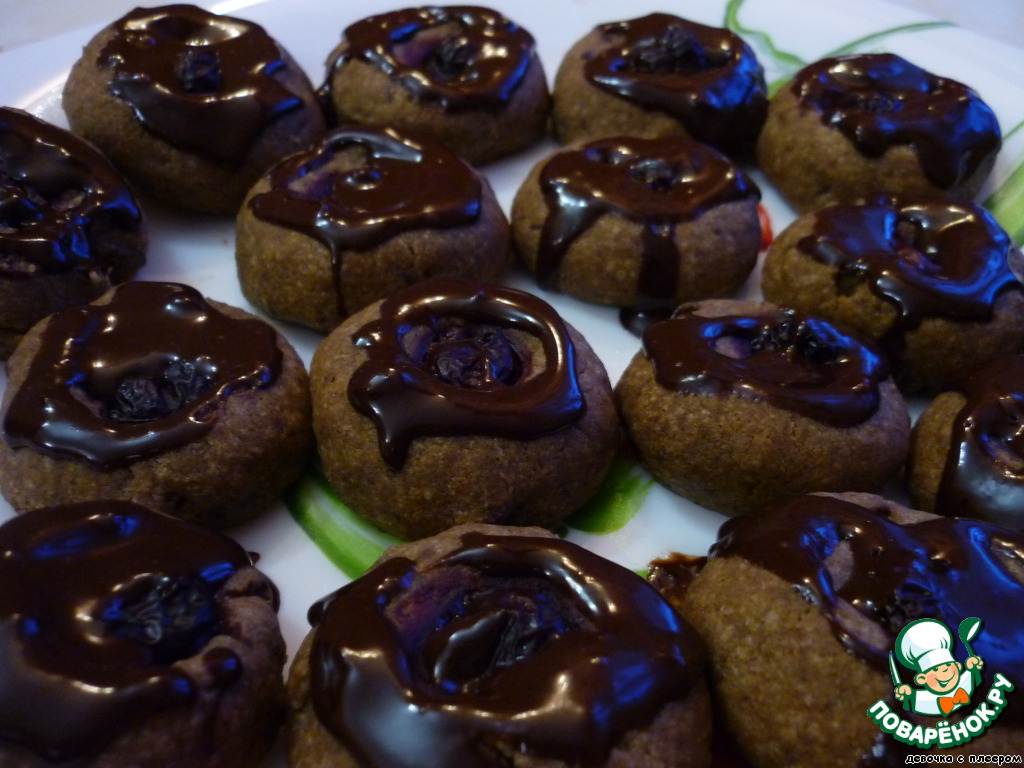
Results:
[862, 42]
[618, 500]
[732, 22]
[1007, 202]
[348, 541]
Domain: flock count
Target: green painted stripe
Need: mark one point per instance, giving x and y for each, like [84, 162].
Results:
[618, 500]
[348, 541]
[862, 42]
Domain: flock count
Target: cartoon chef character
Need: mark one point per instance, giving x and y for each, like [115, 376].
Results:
[925, 646]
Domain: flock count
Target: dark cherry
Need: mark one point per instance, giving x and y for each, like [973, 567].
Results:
[789, 334]
[465, 354]
[142, 398]
[910, 601]
[172, 618]
[452, 60]
[198, 70]
[675, 51]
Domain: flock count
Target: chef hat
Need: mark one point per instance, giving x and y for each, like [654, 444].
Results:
[924, 644]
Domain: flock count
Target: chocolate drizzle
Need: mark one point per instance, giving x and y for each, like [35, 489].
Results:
[359, 187]
[705, 77]
[882, 100]
[407, 396]
[928, 258]
[944, 568]
[143, 374]
[97, 602]
[657, 183]
[508, 645]
[461, 57]
[55, 192]
[802, 364]
[983, 476]
[202, 82]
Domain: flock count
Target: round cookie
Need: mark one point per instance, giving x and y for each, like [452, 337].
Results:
[134, 638]
[927, 280]
[456, 401]
[660, 75]
[70, 227]
[359, 215]
[192, 106]
[498, 646]
[465, 76]
[965, 457]
[734, 404]
[802, 605]
[155, 395]
[638, 223]
[849, 128]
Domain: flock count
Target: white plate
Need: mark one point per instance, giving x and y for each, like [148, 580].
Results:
[199, 250]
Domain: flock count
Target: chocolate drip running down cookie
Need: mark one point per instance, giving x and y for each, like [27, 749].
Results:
[983, 475]
[100, 603]
[800, 364]
[440, 362]
[882, 100]
[507, 644]
[57, 193]
[200, 81]
[360, 187]
[142, 374]
[658, 184]
[706, 77]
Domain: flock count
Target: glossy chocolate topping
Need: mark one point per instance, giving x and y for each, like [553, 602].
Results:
[881, 100]
[657, 183]
[54, 188]
[801, 364]
[928, 258]
[508, 645]
[446, 357]
[461, 56]
[202, 82]
[705, 77]
[984, 472]
[97, 602]
[360, 187]
[143, 374]
[944, 568]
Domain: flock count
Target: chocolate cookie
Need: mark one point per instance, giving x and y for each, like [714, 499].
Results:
[465, 76]
[456, 401]
[660, 75]
[132, 638]
[851, 127]
[927, 280]
[154, 394]
[734, 404]
[802, 605]
[70, 227]
[192, 106]
[489, 646]
[359, 215]
[638, 223]
[966, 458]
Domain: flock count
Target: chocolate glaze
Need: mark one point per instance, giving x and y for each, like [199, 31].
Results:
[150, 336]
[882, 100]
[404, 395]
[461, 56]
[928, 258]
[658, 183]
[944, 568]
[509, 644]
[71, 676]
[801, 364]
[359, 187]
[56, 190]
[202, 82]
[705, 77]
[983, 475]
